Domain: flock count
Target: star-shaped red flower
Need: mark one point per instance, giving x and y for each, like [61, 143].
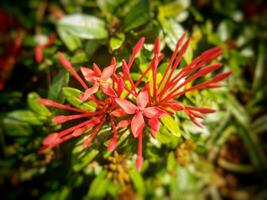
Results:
[99, 80]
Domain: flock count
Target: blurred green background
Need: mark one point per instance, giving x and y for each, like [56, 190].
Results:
[225, 160]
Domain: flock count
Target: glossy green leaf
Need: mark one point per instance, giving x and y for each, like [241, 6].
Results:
[25, 116]
[171, 125]
[84, 26]
[72, 42]
[55, 90]
[137, 16]
[15, 128]
[138, 181]
[172, 29]
[99, 186]
[41, 111]
[72, 95]
[116, 41]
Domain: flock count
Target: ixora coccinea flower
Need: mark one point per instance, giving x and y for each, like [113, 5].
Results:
[136, 106]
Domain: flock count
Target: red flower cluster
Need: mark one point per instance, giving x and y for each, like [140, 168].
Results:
[135, 106]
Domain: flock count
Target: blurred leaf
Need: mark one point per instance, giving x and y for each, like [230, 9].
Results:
[14, 127]
[72, 95]
[225, 30]
[38, 108]
[79, 57]
[260, 124]
[25, 116]
[99, 186]
[82, 157]
[138, 181]
[173, 31]
[171, 125]
[171, 161]
[137, 16]
[260, 70]
[172, 9]
[84, 26]
[55, 90]
[165, 137]
[90, 47]
[72, 42]
[116, 41]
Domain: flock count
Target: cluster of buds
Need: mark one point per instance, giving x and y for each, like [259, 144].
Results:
[138, 105]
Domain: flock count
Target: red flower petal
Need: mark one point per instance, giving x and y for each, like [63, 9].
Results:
[137, 124]
[112, 144]
[97, 70]
[108, 71]
[150, 112]
[142, 99]
[118, 113]
[127, 106]
[88, 74]
[123, 124]
[154, 123]
[89, 92]
[107, 89]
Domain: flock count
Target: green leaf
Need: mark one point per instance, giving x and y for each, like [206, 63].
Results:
[55, 90]
[72, 95]
[14, 127]
[71, 41]
[171, 161]
[172, 9]
[90, 47]
[40, 109]
[165, 137]
[82, 157]
[137, 16]
[171, 125]
[25, 116]
[116, 41]
[260, 70]
[84, 26]
[138, 181]
[79, 57]
[173, 31]
[99, 186]
[260, 124]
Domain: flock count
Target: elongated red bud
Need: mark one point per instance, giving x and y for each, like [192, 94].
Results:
[59, 119]
[47, 102]
[38, 52]
[113, 61]
[201, 109]
[78, 132]
[51, 139]
[66, 63]
[157, 46]
[138, 46]
[221, 76]
[125, 67]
